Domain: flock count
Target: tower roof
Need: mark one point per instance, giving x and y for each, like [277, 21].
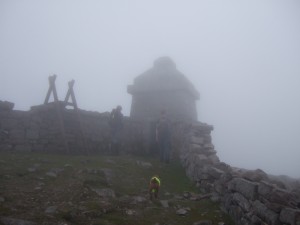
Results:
[163, 76]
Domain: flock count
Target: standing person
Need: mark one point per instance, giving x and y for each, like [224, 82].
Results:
[163, 137]
[154, 187]
[116, 125]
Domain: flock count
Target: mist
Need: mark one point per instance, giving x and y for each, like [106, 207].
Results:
[242, 56]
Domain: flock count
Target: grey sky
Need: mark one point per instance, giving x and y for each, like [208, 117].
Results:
[242, 56]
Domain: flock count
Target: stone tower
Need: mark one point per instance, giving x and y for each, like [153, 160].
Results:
[163, 87]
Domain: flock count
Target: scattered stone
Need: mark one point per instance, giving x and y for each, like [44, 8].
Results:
[182, 212]
[125, 200]
[12, 221]
[110, 161]
[57, 170]
[203, 222]
[105, 192]
[51, 210]
[130, 212]
[186, 194]
[139, 199]
[31, 170]
[144, 164]
[178, 197]
[54, 172]
[36, 165]
[164, 203]
[86, 161]
[51, 174]
[108, 174]
[67, 165]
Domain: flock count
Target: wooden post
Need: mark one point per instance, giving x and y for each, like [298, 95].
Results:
[71, 94]
[58, 107]
[51, 89]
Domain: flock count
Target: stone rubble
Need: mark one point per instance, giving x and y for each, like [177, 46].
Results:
[249, 196]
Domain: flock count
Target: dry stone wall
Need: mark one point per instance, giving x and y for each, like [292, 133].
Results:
[39, 130]
[250, 197]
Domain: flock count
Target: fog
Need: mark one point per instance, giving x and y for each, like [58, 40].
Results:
[242, 56]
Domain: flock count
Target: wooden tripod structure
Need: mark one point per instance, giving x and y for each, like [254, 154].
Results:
[60, 106]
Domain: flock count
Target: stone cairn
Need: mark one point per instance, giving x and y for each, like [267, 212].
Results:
[249, 196]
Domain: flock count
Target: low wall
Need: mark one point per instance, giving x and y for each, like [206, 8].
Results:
[39, 130]
[250, 197]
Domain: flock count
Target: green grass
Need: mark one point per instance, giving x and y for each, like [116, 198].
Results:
[71, 191]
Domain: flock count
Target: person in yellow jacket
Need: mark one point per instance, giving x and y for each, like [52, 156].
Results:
[154, 187]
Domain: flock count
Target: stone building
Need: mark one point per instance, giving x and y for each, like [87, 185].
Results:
[163, 87]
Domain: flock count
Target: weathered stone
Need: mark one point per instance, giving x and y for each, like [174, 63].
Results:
[214, 172]
[32, 134]
[182, 212]
[6, 106]
[164, 203]
[130, 212]
[6, 147]
[17, 133]
[195, 148]
[108, 175]
[105, 192]
[236, 213]
[245, 187]
[51, 210]
[241, 201]
[203, 222]
[266, 214]
[255, 175]
[265, 189]
[209, 146]
[214, 159]
[290, 216]
[144, 164]
[197, 140]
[281, 196]
[9, 123]
[22, 148]
[12, 221]
[31, 170]
[51, 174]
[138, 199]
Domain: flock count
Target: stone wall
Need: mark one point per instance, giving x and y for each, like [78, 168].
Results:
[39, 130]
[249, 196]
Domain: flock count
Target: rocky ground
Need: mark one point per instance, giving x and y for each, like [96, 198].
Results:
[98, 190]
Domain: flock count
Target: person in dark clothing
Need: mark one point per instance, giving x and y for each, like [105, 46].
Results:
[163, 138]
[116, 125]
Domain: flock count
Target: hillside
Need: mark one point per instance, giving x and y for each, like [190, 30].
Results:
[98, 190]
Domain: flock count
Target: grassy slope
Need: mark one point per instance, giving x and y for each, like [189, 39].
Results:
[28, 194]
